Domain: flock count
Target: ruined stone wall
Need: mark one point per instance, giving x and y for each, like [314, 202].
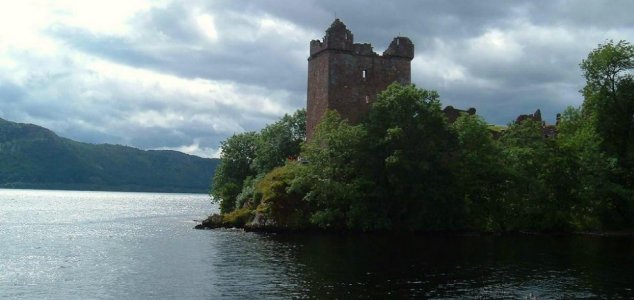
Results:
[356, 80]
[453, 114]
[347, 77]
[317, 103]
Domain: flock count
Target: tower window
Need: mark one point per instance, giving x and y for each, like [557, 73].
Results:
[364, 73]
[367, 99]
[398, 41]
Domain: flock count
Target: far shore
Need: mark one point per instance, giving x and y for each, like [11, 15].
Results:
[104, 189]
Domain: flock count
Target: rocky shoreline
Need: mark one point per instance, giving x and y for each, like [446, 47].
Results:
[259, 223]
[244, 220]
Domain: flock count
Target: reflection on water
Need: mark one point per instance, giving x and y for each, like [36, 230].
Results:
[137, 245]
[442, 267]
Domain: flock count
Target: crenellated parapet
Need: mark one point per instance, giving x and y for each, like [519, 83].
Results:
[400, 47]
[339, 38]
[363, 49]
[347, 77]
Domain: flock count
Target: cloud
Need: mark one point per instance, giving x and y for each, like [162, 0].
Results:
[195, 149]
[184, 40]
[186, 75]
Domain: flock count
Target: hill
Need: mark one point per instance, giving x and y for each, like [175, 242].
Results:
[35, 157]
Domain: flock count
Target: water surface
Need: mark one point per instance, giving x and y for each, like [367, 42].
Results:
[109, 245]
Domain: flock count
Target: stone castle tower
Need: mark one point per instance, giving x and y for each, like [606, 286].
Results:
[347, 77]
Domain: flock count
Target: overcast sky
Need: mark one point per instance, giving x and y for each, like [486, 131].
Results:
[185, 75]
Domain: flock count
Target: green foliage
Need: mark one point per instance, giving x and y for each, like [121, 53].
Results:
[609, 99]
[335, 156]
[541, 178]
[412, 147]
[480, 174]
[237, 218]
[249, 195]
[280, 141]
[237, 155]
[580, 139]
[606, 66]
[247, 157]
[282, 197]
[405, 168]
[609, 107]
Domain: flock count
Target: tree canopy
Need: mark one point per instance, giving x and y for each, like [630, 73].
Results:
[406, 167]
[250, 155]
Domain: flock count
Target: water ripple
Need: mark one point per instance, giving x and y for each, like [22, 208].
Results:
[61, 245]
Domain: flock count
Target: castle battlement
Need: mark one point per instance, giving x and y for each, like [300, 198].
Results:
[400, 47]
[339, 38]
[347, 77]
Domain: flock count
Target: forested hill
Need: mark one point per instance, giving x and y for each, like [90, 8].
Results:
[35, 157]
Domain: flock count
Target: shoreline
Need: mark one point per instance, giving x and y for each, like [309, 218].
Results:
[627, 233]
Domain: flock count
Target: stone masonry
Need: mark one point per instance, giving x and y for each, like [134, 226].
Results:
[347, 77]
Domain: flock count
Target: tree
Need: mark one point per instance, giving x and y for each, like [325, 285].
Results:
[412, 148]
[593, 204]
[606, 66]
[609, 106]
[247, 157]
[542, 188]
[280, 141]
[609, 98]
[480, 174]
[283, 194]
[335, 155]
[237, 155]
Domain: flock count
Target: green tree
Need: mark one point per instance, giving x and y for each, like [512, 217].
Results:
[247, 157]
[539, 191]
[606, 66]
[480, 174]
[609, 99]
[237, 155]
[334, 156]
[609, 106]
[280, 141]
[579, 138]
[411, 147]
[282, 192]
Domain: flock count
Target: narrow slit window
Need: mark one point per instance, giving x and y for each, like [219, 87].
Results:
[364, 73]
[367, 99]
[398, 41]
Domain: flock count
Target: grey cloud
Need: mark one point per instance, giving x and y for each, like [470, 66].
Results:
[552, 36]
[501, 106]
[380, 19]
[167, 41]
[605, 15]
[10, 92]
[113, 119]
[534, 81]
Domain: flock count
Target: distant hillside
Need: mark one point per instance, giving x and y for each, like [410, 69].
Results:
[35, 157]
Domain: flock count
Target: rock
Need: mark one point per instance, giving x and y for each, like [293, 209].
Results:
[213, 221]
[260, 223]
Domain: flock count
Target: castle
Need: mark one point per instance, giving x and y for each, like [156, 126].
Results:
[347, 77]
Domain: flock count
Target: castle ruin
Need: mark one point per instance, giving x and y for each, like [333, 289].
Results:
[347, 77]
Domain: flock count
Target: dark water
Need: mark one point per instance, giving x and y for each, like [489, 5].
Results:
[78, 245]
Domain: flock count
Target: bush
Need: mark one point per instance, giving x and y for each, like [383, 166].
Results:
[238, 218]
[282, 197]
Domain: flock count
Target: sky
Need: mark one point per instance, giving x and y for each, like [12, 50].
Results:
[185, 75]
